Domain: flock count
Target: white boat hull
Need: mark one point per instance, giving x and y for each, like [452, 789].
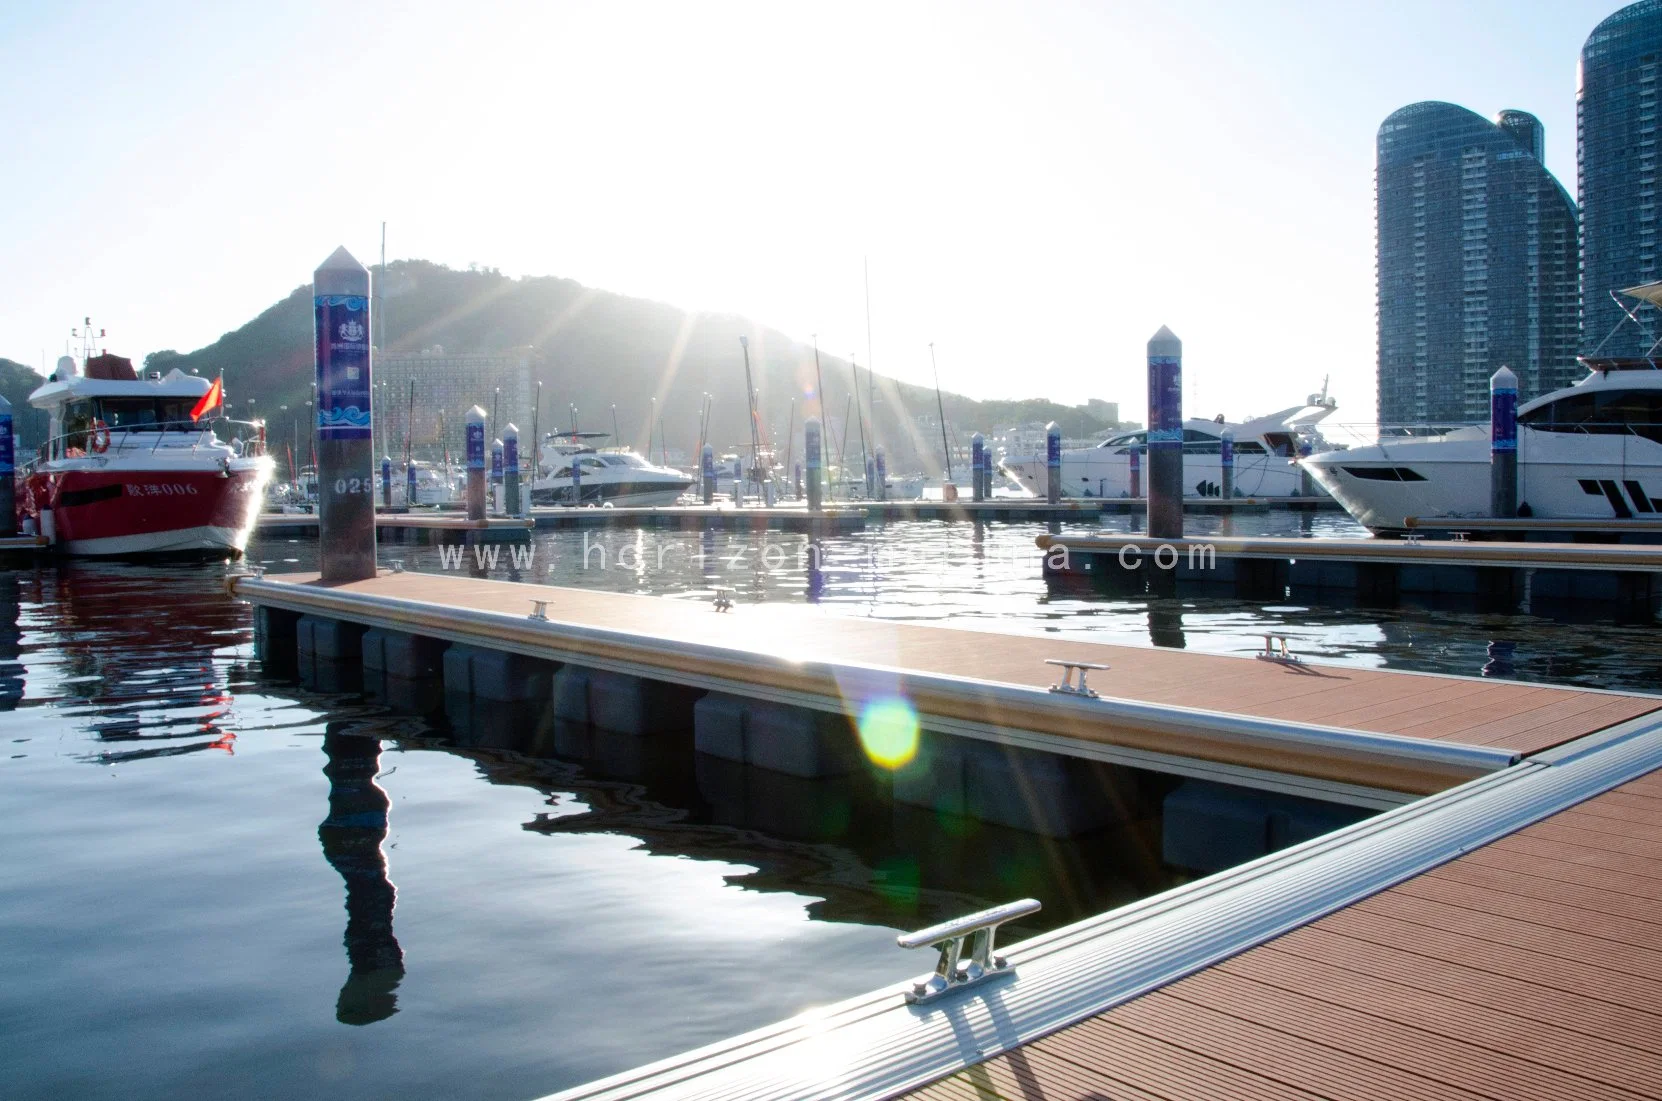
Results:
[1561, 475]
[1092, 473]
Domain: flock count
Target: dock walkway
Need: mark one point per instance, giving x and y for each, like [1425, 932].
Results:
[1354, 735]
[1531, 967]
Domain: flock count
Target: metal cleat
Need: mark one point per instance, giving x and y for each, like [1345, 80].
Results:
[539, 610]
[397, 565]
[952, 971]
[724, 600]
[1412, 538]
[1459, 536]
[1277, 650]
[1067, 687]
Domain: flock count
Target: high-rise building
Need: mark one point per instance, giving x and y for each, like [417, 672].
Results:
[445, 387]
[1476, 263]
[1616, 113]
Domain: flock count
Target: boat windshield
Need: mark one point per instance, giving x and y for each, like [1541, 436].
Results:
[624, 459]
[1601, 412]
[140, 414]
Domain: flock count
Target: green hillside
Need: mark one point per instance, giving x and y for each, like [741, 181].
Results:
[595, 349]
[16, 383]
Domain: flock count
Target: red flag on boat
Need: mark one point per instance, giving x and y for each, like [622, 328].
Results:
[213, 399]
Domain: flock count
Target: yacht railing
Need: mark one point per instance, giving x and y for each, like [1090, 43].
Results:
[129, 437]
[1383, 435]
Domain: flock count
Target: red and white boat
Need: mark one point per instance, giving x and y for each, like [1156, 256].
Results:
[135, 466]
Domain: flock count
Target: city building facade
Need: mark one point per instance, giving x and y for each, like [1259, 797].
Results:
[1617, 112]
[1477, 254]
[445, 387]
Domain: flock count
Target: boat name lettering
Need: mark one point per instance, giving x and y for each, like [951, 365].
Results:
[161, 489]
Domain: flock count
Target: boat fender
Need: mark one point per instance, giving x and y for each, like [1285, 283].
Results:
[100, 439]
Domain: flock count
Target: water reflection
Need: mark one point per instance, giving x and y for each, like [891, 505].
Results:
[351, 836]
[11, 635]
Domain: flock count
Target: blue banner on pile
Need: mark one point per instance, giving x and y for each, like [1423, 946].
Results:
[343, 386]
[1165, 400]
[1503, 420]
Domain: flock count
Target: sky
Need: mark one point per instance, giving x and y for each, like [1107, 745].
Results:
[1033, 187]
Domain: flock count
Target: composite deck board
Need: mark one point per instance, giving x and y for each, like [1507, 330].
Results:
[1528, 968]
[1522, 718]
[1463, 986]
[1446, 1054]
[1608, 895]
[1557, 873]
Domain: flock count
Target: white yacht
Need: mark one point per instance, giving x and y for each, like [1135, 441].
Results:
[1590, 451]
[571, 472]
[432, 486]
[1265, 449]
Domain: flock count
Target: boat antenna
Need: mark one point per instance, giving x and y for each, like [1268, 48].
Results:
[941, 409]
[89, 339]
[409, 427]
[663, 443]
[617, 440]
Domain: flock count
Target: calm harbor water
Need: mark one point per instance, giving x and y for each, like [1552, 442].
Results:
[218, 883]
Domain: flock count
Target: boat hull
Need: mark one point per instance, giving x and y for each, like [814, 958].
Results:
[1088, 474]
[617, 494]
[120, 513]
[1561, 476]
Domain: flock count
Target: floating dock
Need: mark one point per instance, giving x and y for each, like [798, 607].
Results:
[427, 527]
[786, 517]
[1489, 934]
[1075, 508]
[1379, 570]
[1536, 529]
[1352, 735]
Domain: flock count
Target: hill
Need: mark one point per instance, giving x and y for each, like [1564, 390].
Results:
[17, 382]
[595, 349]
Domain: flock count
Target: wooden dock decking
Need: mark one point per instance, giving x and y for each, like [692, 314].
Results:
[1383, 731]
[1530, 967]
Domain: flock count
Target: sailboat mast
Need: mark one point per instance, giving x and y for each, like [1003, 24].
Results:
[858, 415]
[409, 425]
[790, 441]
[750, 393]
[941, 409]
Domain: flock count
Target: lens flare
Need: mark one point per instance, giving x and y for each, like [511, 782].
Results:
[889, 732]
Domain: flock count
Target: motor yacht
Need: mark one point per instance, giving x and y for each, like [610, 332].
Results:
[1589, 451]
[571, 471]
[1265, 449]
[137, 466]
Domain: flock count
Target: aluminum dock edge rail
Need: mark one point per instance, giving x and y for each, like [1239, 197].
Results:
[1351, 766]
[877, 1046]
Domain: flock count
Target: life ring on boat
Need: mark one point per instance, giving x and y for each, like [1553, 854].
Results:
[99, 441]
